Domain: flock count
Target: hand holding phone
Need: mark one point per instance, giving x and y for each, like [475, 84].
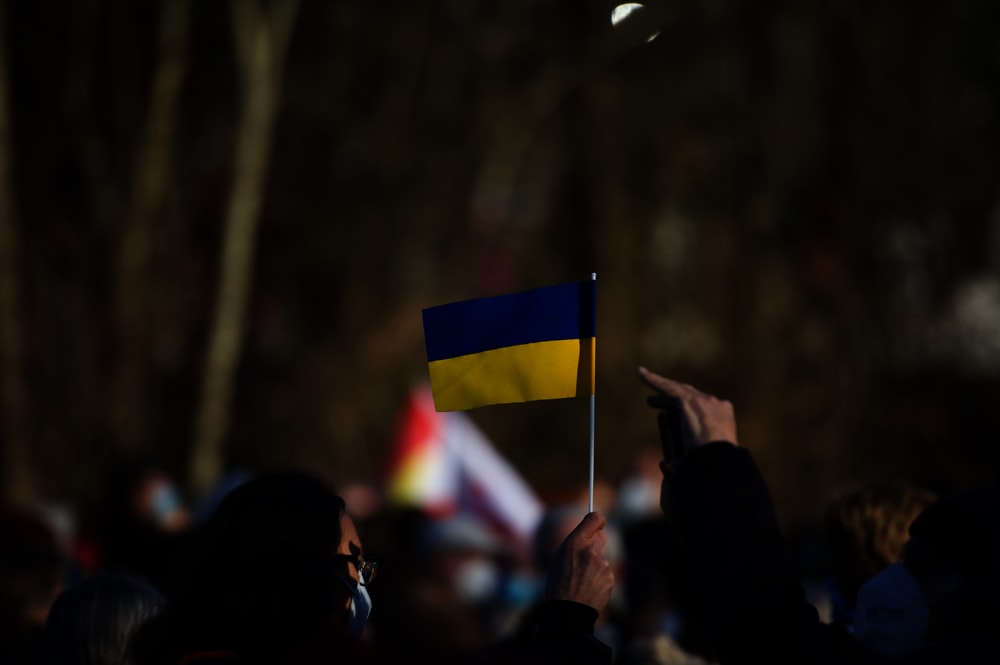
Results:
[675, 431]
[688, 417]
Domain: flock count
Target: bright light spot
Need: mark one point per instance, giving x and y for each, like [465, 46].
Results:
[975, 324]
[623, 11]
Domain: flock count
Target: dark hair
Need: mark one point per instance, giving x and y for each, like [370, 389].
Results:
[959, 528]
[261, 571]
[93, 621]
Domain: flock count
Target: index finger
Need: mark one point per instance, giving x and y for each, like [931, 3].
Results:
[663, 384]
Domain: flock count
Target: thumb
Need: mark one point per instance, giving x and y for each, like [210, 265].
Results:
[590, 526]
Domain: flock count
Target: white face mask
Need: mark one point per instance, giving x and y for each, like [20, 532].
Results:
[361, 606]
[476, 581]
[891, 612]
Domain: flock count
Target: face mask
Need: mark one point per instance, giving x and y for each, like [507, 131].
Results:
[520, 588]
[164, 503]
[476, 581]
[891, 614]
[361, 606]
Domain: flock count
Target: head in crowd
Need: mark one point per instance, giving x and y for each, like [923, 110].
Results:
[93, 621]
[277, 570]
[143, 522]
[33, 571]
[865, 531]
[941, 595]
[468, 556]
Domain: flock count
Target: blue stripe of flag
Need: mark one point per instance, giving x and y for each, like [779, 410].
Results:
[564, 311]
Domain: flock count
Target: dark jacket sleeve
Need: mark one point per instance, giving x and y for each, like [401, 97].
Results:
[554, 632]
[748, 586]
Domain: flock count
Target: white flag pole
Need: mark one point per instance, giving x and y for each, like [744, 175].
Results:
[593, 389]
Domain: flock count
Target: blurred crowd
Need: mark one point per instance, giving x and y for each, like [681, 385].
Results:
[448, 582]
[455, 583]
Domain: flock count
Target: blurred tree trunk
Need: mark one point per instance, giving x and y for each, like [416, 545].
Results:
[19, 484]
[153, 162]
[261, 35]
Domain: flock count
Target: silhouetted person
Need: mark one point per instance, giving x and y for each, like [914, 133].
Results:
[938, 604]
[278, 574]
[662, 625]
[748, 588]
[275, 575]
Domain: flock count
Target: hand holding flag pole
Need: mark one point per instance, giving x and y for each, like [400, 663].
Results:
[519, 347]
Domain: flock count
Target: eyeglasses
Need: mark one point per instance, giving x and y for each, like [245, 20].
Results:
[365, 567]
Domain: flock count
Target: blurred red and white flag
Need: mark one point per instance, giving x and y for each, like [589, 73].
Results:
[443, 463]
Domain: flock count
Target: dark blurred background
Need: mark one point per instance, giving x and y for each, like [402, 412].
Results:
[219, 222]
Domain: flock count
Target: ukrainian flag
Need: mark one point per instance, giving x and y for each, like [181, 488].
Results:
[520, 347]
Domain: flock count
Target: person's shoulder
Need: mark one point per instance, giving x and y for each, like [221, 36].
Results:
[210, 657]
[846, 649]
[968, 649]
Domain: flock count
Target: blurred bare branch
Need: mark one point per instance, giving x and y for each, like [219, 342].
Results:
[261, 37]
[153, 162]
[17, 477]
